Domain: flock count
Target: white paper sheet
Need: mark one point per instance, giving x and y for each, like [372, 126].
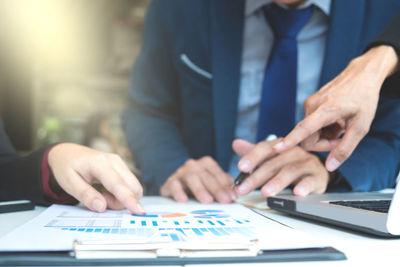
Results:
[57, 227]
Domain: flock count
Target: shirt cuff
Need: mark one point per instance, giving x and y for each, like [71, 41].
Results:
[60, 197]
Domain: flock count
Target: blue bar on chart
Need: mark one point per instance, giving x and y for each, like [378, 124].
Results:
[197, 231]
[174, 237]
[222, 231]
[180, 230]
[215, 232]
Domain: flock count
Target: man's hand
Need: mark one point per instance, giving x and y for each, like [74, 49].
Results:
[346, 105]
[76, 168]
[277, 171]
[203, 178]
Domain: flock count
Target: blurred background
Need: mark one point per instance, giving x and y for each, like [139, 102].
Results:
[64, 70]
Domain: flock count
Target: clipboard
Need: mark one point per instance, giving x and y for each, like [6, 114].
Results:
[68, 258]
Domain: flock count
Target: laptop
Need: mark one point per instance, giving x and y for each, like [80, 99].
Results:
[376, 213]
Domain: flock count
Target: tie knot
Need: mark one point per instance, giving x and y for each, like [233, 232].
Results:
[286, 23]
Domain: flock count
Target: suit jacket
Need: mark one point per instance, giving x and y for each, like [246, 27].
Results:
[20, 177]
[181, 109]
[390, 36]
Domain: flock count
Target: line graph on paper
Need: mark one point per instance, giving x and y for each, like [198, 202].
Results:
[168, 226]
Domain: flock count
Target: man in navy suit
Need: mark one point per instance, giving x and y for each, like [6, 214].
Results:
[205, 74]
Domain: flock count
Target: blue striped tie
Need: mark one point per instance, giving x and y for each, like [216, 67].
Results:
[278, 100]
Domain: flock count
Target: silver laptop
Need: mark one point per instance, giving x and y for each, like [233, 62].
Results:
[375, 213]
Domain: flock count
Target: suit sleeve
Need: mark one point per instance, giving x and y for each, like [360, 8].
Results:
[20, 177]
[390, 36]
[152, 119]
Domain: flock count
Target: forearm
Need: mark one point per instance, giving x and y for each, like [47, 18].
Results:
[389, 40]
[380, 61]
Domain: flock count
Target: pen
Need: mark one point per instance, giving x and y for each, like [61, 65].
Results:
[242, 175]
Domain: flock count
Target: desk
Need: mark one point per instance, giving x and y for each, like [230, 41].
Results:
[361, 250]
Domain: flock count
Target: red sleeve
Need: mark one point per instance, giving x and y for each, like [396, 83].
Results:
[59, 198]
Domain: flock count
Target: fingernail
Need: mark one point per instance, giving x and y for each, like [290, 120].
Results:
[224, 197]
[332, 164]
[98, 205]
[301, 190]
[233, 195]
[206, 198]
[269, 189]
[279, 146]
[244, 165]
[243, 188]
[181, 198]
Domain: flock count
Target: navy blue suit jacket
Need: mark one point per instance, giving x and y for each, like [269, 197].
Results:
[177, 113]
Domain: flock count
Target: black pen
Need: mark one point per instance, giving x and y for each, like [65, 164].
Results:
[243, 175]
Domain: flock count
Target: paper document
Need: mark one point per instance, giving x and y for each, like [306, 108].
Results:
[59, 226]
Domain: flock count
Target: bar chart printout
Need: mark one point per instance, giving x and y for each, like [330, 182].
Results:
[56, 228]
[159, 226]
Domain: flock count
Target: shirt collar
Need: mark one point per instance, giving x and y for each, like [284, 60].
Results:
[253, 5]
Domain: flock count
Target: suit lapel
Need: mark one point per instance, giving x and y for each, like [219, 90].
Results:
[345, 26]
[226, 51]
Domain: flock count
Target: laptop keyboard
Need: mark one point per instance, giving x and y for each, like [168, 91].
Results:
[374, 205]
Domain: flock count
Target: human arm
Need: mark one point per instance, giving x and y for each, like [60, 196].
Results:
[358, 88]
[71, 169]
[346, 105]
[374, 164]
[76, 169]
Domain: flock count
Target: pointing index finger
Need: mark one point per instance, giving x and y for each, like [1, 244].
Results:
[309, 125]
